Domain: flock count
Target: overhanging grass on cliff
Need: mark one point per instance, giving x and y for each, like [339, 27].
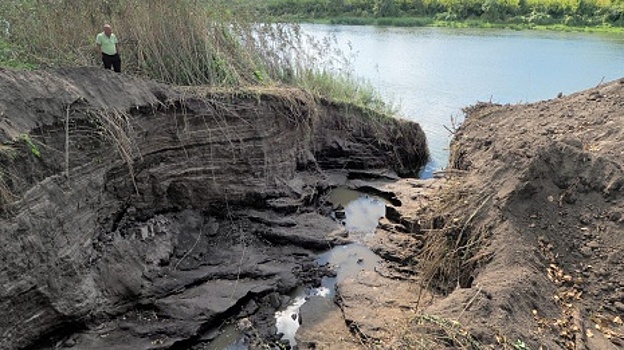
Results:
[192, 42]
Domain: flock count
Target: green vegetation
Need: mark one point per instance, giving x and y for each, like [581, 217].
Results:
[190, 42]
[33, 148]
[520, 345]
[553, 14]
[10, 58]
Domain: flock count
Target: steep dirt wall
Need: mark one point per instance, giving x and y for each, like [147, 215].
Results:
[538, 200]
[138, 216]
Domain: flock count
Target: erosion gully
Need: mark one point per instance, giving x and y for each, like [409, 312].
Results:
[359, 213]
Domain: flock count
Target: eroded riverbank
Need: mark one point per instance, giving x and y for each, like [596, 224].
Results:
[180, 215]
[137, 216]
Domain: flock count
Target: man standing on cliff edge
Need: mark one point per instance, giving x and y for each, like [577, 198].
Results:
[107, 46]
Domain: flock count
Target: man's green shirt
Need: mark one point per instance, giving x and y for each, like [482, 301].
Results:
[108, 44]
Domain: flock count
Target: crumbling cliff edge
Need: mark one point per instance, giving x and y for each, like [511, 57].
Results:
[138, 216]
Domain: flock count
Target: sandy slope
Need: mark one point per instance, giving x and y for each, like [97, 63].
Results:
[542, 186]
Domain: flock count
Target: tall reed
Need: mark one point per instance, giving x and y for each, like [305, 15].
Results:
[183, 42]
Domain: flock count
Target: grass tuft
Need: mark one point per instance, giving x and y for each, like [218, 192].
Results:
[453, 242]
[434, 332]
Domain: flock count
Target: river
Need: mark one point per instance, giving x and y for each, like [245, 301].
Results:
[432, 73]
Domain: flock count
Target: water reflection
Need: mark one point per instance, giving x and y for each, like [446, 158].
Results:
[287, 321]
[347, 261]
[361, 212]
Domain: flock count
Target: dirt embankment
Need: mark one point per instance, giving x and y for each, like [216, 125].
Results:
[136, 216]
[528, 239]
[177, 210]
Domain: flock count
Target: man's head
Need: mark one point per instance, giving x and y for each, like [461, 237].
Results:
[107, 29]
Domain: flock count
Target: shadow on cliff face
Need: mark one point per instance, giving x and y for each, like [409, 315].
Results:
[138, 216]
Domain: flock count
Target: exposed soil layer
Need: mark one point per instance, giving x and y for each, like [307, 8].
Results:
[532, 226]
[139, 216]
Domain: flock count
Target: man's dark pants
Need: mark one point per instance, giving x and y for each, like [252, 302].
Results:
[112, 61]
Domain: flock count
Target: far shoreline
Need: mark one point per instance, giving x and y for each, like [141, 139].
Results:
[429, 22]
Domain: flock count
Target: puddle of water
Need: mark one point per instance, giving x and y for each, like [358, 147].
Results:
[361, 211]
[347, 261]
[343, 196]
[361, 217]
[288, 320]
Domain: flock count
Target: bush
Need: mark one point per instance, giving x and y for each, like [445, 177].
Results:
[540, 18]
[542, 12]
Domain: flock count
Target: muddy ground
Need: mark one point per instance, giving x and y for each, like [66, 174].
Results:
[140, 216]
[182, 211]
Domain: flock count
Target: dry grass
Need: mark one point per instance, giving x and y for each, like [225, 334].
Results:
[6, 196]
[181, 42]
[297, 106]
[7, 153]
[453, 240]
[433, 332]
[118, 127]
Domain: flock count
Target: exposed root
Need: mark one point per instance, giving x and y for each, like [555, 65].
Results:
[118, 127]
[453, 244]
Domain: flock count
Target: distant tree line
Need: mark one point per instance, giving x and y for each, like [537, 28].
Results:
[540, 12]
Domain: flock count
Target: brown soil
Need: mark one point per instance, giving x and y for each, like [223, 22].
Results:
[547, 178]
[523, 244]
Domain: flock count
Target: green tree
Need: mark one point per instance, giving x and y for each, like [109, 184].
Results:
[385, 8]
